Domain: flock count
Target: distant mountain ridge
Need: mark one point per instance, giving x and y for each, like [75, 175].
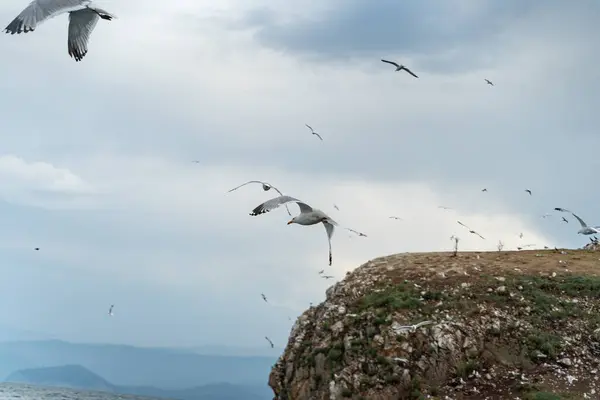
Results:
[136, 366]
[79, 377]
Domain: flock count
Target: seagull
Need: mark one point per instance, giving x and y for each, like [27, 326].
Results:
[400, 67]
[321, 271]
[313, 131]
[565, 220]
[269, 340]
[585, 230]
[266, 186]
[110, 313]
[398, 218]
[307, 216]
[264, 297]
[470, 230]
[327, 276]
[445, 208]
[336, 207]
[196, 161]
[546, 215]
[489, 82]
[415, 326]
[484, 190]
[521, 235]
[528, 191]
[37, 249]
[83, 17]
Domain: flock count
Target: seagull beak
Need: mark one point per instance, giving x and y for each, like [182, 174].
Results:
[290, 222]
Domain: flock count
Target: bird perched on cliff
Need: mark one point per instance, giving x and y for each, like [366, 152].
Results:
[489, 82]
[264, 297]
[585, 230]
[400, 67]
[313, 132]
[307, 216]
[83, 17]
[266, 187]
[269, 340]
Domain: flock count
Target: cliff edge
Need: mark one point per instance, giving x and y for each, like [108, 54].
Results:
[478, 325]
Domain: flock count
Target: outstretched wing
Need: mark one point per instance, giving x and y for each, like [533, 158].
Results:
[38, 11]
[272, 204]
[460, 223]
[309, 127]
[391, 62]
[583, 224]
[329, 229]
[265, 184]
[81, 25]
[409, 71]
[315, 133]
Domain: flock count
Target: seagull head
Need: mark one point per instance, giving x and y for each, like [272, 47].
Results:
[292, 221]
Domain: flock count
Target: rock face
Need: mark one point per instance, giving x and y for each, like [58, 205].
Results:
[501, 325]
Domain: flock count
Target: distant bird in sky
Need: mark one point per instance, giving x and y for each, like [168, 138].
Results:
[398, 218]
[313, 132]
[321, 271]
[489, 82]
[336, 207]
[546, 215]
[565, 220]
[307, 216]
[484, 190]
[400, 67]
[265, 186]
[471, 230]
[528, 191]
[445, 208]
[83, 17]
[269, 340]
[327, 276]
[37, 249]
[585, 230]
[110, 310]
[196, 161]
[264, 297]
[521, 235]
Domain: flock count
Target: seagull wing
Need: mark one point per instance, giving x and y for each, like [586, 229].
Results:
[409, 71]
[272, 204]
[81, 25]
[562, 210]
[329, 229]
[315, 133]
[583, 224]
[391, 62]
[460, 223]
[309, 127]
[264, 184]
[38, 11]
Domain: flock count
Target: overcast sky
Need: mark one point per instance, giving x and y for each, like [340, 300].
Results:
[96, 157]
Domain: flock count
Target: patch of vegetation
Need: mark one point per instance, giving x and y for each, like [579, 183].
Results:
[546, 343]
[466, 368]
[401, 296]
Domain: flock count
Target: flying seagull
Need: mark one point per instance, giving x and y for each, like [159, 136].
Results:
[484, 190]
[445, 208]
[321, 271]
[83, 17]
[313, 131]
[489, 82]
[470, 230]
[265, 186]
[336, 207]
[400, 67]
[398, 218]
[327, 276]
[585, 230]
[264, 297]
[37, 249]
[521, 235]
[307, 216]
[415, 326]
[565, 220]
[269, 340]
[528, 191]
[110, 310]
[196, 161]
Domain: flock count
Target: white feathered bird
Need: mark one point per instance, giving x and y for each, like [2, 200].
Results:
[83, 17]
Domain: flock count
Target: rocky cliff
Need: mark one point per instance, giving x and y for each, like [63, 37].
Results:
[495, 325]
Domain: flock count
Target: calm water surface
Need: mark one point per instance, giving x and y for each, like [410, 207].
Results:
[9, 391]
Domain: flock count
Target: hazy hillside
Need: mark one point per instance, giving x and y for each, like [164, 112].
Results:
[134, 366]
[76, 376]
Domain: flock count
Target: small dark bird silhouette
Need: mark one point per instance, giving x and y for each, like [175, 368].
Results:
[37, 249]
[400, 67]
[528, 191]
[269, 340]
[327, 276]
[264, 298]
[565, 220]
[313, 131]
[336, 207]
[321, 271]
[398, 218]
[110, 310]
[196, 161]
[489, 82]
[484, 190]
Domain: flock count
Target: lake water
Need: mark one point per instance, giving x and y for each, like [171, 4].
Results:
[10, 391]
